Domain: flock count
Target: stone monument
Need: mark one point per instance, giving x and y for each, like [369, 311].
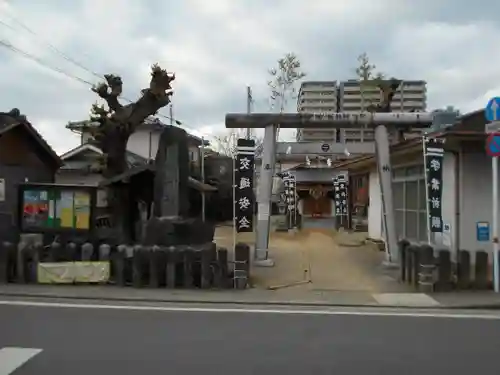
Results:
[170, 224]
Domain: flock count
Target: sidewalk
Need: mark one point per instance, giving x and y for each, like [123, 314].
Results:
[284, 297]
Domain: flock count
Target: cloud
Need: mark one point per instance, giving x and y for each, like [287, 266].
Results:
[218, 47]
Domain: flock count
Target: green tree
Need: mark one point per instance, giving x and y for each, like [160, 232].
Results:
[368, 77]
[283, 81]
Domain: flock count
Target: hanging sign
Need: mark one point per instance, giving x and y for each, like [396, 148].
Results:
[433, 156]
[290, 196]
[243, 190]
[340, 191]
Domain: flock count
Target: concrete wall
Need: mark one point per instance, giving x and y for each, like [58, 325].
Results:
[475, 199]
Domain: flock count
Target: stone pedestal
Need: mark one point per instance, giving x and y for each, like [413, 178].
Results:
[173, 231]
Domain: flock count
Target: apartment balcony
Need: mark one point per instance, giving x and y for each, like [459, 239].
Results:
[357, 135]
[396, 106]
[319, 103]
[318, 88]
[318, 96]
[353, 96]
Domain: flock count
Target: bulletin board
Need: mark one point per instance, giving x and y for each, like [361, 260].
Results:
[56, 208]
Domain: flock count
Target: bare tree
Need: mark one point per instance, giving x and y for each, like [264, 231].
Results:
[283, 80]
[225, 143]
[117, 122]
[115, 126]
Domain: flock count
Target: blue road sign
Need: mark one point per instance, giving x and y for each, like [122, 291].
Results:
[493, 144]
[482, 231]
[492, 110]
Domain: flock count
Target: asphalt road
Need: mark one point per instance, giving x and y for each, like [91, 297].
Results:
[96, 340]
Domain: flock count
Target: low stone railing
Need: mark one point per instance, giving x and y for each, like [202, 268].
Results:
[199, 266]
[432, 270]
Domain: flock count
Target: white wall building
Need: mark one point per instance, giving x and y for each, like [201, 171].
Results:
[81, 164]
[467, 184]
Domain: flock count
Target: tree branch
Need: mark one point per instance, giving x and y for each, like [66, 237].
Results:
[153, 98]
[110, 91]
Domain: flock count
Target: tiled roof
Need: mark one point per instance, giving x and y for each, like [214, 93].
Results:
[133, 159]
[13, 119]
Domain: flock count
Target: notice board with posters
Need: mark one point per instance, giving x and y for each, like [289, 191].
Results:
[56, 208]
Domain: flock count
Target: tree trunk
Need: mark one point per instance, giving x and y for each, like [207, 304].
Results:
[114, 145]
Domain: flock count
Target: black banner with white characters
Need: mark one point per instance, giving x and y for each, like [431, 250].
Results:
[340, 191]
[433, 156]
[243, 191]
[290, 197]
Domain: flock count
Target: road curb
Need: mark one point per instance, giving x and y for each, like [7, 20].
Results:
[252, 303]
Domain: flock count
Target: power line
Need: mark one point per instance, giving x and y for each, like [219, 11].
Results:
[38, 60]
[64, 56]
[8, 45]
[51, 46]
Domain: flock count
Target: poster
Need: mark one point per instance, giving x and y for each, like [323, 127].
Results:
[35, 208]
[56, 208]
[82, 210]
[66, 210]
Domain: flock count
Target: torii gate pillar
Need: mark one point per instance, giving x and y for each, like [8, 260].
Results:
[264, 192]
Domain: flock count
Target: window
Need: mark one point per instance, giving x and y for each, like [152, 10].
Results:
[410, 203]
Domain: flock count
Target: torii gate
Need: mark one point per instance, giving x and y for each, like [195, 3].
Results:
[380, 120]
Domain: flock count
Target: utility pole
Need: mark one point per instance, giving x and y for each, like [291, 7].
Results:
[203, 198]
[171, 114]
[249, 109]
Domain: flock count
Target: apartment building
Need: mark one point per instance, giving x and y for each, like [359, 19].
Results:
[317, 97]
[351, 96]
[355, 96]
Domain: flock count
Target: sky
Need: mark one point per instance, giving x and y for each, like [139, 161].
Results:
[219, 47]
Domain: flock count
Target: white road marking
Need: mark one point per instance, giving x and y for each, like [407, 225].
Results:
[13, 358]
[405, 299]
[248, 310]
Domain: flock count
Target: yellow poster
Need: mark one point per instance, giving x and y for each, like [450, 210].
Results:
[82, 199]
[82, 210]
[67, 212]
